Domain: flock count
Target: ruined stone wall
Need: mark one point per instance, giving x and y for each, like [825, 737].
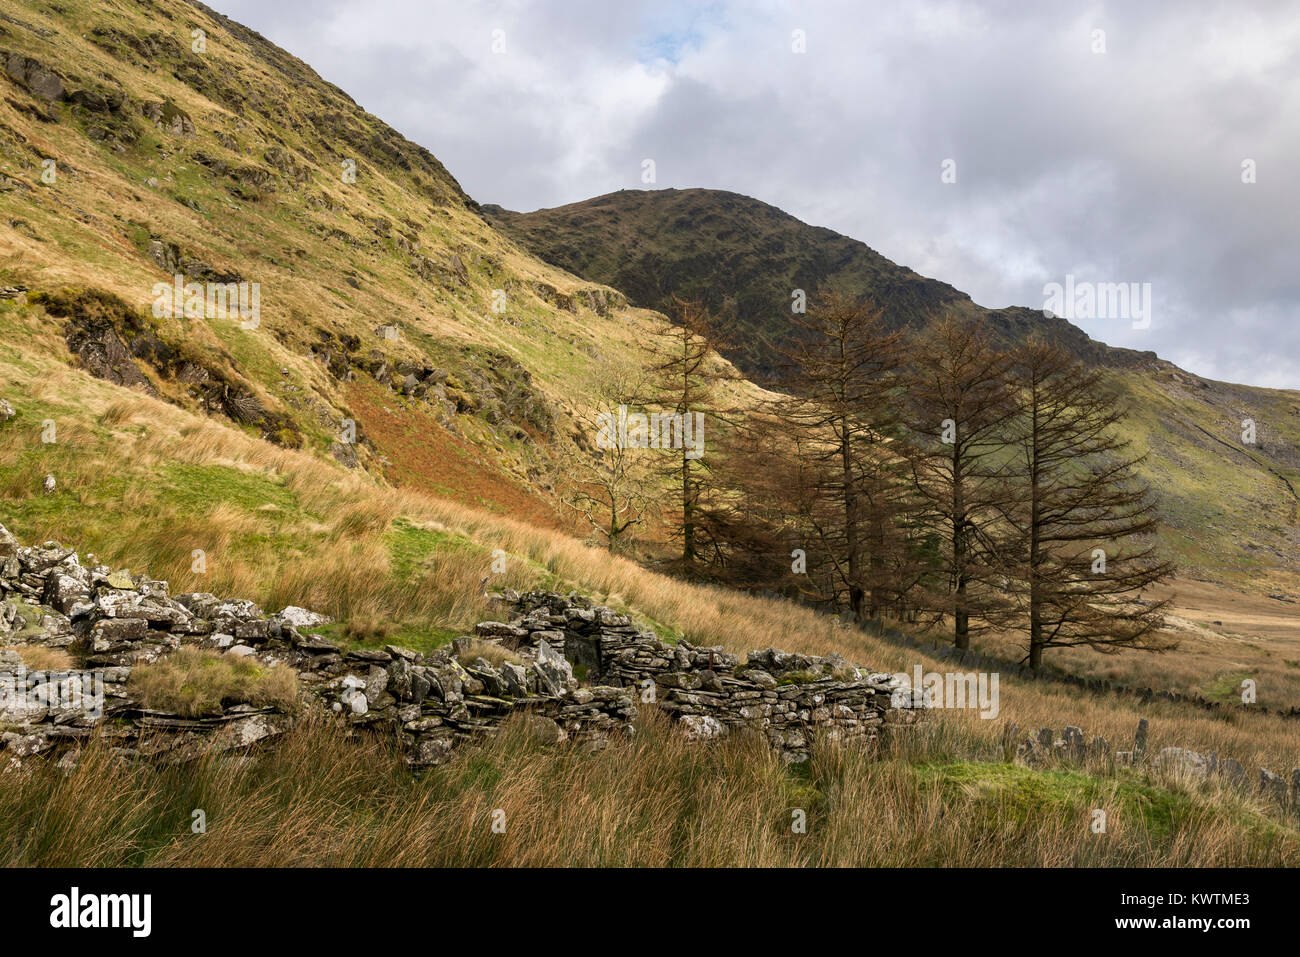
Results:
[574, 671]
[788, 698]
[1046, 747]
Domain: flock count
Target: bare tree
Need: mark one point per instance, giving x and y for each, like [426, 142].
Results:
[611, 490]
[755, 525]
[842, 408]
[686, 371]
[959, 402]
[1081, 521]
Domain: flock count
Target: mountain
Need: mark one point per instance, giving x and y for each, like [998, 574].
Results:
[378, 429]
[743, 258]
[1230, 507]
[392, 308]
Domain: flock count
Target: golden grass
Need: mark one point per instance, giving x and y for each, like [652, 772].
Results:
[41, 658]
[193, 682]
[491, 652]
[344, 569]
[316, 535]
[321, 798]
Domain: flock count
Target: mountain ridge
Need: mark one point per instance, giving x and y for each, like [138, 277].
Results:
[380, 295]
[757, 255]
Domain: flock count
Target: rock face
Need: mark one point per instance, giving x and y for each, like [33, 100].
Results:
[37, 77]
[111, 622]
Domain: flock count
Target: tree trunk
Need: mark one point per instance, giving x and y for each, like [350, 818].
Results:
[851, 523]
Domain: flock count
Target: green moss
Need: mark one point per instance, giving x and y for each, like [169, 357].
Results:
[1226, 686]
[798, 678]
[995, 795]
[200, 486]
[410, 546]
[802, 788]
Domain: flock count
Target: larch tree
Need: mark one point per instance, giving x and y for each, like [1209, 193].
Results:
[611, 490]
[960, 401]
[1081, 520]
[842, 411]
[686, 371]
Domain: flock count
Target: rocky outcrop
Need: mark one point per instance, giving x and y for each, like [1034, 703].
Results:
[166, 115]
[113, 339]
[36, 76]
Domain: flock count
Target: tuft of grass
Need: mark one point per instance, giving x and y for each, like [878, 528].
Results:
[324, 797]
[193, 682]
[42, 658]
[1227, 686]
[491, 652]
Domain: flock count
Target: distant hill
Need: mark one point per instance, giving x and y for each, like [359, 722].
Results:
[743, 258]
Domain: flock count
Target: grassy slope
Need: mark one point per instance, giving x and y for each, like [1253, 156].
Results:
[144, 483]
[297, 229]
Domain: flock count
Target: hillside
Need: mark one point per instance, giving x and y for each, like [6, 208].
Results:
[1230, 508]
[211, 456]
[127, 156]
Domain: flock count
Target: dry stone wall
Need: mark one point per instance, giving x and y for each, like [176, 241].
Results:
[111, 622]
[789, 698]
[1047, 747]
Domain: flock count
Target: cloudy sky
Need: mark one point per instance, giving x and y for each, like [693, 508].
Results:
[1102, 141]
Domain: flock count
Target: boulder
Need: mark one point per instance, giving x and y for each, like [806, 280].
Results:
[37, 77]
[1183, 763]
[8, 543]
[301, 618]
[554, 673]
[699, 727]
[515, 679]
